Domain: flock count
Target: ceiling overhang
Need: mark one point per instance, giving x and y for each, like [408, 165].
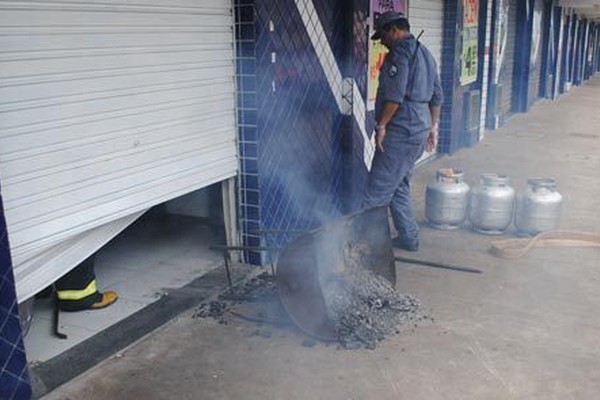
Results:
[589, 9]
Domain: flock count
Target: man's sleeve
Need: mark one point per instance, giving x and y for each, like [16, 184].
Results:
[395, 75]
[438, 94]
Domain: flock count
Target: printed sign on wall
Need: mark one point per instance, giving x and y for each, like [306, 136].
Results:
[470, 62]
[377, 51]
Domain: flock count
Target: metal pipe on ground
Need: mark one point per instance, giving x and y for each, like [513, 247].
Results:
[434, 264]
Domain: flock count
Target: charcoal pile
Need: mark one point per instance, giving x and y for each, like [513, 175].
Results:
[213, 309]
[366, 309]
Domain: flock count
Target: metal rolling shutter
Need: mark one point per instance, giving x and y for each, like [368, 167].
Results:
[559, 28]
[428, 15]
[509, 60]
[535, 74]
[107, 108]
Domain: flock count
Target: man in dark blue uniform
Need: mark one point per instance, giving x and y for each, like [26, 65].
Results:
[407, 111]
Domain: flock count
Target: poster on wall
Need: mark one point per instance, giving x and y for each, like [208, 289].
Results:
[377, 51]
[469, 62]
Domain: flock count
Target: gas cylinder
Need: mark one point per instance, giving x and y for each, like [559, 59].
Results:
[538, 207]
[492, 204]
[446, 199]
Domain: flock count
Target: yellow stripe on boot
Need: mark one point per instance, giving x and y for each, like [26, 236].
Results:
[78, 294]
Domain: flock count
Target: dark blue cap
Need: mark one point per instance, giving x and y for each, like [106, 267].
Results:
[382, 20]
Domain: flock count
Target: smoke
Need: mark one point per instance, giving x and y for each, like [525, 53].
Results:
[299, 188]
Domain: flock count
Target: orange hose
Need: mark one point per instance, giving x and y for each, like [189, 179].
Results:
[517, 248]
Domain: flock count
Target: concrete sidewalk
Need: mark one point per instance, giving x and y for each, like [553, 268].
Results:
[524, 329]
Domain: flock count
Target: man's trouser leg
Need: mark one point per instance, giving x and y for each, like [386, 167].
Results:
[389, 180]
[77, 290]
[403, 214]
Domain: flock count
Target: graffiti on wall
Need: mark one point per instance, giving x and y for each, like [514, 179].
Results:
[470, 40]
[377, 51]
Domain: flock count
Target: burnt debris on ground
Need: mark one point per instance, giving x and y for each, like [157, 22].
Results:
[214, 309]
[366, 309]
[260, 290]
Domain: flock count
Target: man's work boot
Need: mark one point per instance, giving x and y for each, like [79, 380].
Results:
[109, 297]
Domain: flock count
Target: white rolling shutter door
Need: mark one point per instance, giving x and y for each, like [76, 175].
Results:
[428, 15]
[108, 108]
[508, 64]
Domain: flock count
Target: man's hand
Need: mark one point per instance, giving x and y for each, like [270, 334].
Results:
[386, 115]
[380, 136]
[432, 139]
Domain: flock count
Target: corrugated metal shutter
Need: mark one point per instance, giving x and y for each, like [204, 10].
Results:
[535, 73]
[585, 49]
[508, 65]
[428, 15]
[559, 23]
[108, 108]
[574, 39]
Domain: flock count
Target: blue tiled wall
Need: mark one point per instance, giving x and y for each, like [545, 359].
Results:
[450, 118]
[290, 126]
[453, 131]
[14, 377]
[250, 213]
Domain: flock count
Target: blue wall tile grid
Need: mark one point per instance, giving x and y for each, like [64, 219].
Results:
[14, 375]
[290, 126]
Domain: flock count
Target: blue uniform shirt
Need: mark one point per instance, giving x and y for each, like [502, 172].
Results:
[414, 86]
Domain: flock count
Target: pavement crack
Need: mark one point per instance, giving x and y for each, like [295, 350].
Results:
[487, 363]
